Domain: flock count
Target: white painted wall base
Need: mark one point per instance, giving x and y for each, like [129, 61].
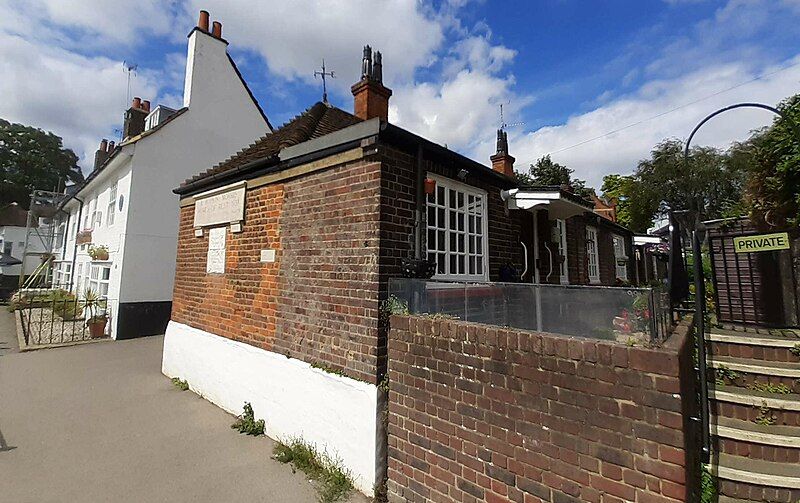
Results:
[337, 414]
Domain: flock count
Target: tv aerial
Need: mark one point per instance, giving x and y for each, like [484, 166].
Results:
[130, 68]
[503, 124]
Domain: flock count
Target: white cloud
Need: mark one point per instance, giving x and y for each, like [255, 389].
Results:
[293, 37]
[620, 152]
[77, 97]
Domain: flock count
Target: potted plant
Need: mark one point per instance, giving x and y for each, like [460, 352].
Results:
[95, 312]
[98, 252]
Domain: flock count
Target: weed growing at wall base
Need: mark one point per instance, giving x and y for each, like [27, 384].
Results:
[333, 482]
[246, 423]
[708, 486]
[180, 383]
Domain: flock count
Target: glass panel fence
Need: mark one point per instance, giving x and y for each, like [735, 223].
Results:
[627, 315]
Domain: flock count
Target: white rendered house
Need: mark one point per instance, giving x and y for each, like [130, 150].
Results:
[127, 206]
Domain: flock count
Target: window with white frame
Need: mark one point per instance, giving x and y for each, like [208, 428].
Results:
[457, 231]
[79, 278]
[112, 202]
[215, 260]
[66, 274]
[620, 257]
[592, 255]
[559, 238]
[88, 218]
[99, 278]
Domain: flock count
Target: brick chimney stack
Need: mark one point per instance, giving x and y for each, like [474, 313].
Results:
[103, 152]
[134, 118]
[502, 162]
[371, 96]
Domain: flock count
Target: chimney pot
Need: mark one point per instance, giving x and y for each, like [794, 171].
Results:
[216, 29]
[502, 162]
[136, 103]
[202, 23]
[146, 105]
[110, 147]
[371, 97]
[103, 144]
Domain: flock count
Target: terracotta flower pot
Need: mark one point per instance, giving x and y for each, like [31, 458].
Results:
[97, 329]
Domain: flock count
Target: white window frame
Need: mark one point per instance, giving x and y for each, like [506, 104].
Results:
[112, 202]
[78, 278]
[560, 231]
[620, 253]
[481, 231]
[216, 256]
[96, 280]
[592, 255]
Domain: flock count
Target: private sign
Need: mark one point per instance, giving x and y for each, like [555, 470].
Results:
[762, 242]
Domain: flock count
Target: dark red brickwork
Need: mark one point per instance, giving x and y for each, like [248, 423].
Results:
[751, 492]
[319, 300]
[482, 413]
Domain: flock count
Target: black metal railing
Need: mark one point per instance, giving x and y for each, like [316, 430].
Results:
[53, 318]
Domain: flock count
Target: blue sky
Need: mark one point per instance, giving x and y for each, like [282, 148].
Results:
[569, 70]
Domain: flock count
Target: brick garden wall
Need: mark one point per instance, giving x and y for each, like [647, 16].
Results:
[483, 413]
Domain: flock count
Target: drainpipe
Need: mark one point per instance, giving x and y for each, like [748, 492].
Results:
[536, 276]
[75, 245]
[420, 200]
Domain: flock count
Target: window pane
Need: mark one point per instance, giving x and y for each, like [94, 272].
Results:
[440, 223]
[431, 239]
[480, 264]
[460, 221]
[439, 195]
[441, 242]
[452, 198]
[460, 264]
[431, 216]
[453, 264]
[440, 262]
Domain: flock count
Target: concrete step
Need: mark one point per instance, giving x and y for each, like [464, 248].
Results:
[751, 339]
[760, 367]
[744, 396]
[754, 471]
[746, 431]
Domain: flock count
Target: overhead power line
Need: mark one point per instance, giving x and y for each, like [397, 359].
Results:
[662, 114]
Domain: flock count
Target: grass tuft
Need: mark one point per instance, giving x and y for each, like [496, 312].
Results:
[333, 482]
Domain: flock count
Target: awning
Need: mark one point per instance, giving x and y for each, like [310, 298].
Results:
[558, 204]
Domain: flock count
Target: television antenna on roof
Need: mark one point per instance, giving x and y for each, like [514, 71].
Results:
[324, 74]
[503, 124]
[129, 67]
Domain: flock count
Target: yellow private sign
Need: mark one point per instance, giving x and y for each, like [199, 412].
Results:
[761, 242]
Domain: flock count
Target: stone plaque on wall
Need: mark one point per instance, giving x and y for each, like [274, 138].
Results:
[220, 206]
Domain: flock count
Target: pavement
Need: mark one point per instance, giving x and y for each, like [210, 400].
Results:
[8, 332]
[100, 423]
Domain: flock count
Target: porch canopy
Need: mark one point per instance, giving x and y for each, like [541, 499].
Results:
[559, 203]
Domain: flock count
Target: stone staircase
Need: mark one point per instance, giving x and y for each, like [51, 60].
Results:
[754, 393]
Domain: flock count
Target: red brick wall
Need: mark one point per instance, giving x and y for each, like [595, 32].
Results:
[319, 300]
[482, 413]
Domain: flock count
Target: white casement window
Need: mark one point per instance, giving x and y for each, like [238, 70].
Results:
[88, 216]
[66, 275]
[112, 202]
[457, 231]
[621, 257]
[99, 277]
[215, 260]
[592, 255]
[559, 238]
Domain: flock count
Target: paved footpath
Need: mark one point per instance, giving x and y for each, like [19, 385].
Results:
[100, 423]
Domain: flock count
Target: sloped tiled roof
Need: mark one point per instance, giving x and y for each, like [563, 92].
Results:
[319, 120]
[13, 215]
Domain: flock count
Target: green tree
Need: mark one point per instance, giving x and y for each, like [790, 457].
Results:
[546, 172]
[33, 159]
[636, 204]
[772, 159]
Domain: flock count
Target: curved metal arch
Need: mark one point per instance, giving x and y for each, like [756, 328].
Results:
[762, 106]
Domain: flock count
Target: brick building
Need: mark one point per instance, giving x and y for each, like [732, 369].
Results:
[285, 251]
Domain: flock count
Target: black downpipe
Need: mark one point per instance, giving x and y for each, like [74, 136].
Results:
[420, 203]
[75, 248]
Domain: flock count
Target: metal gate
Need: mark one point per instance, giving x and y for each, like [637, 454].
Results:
[747, 286]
